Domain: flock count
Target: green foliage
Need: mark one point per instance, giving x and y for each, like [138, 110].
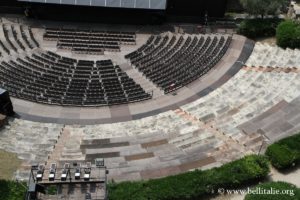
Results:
[288, 34]
[280, 156]
[263, 7]
[10, 190]
[254, 28]
[287, 192]
[285, 153]
[193, 185]
[234, 6]
[52, 190]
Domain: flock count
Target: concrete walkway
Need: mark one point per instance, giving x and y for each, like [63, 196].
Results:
[297, 8]
[291, 177]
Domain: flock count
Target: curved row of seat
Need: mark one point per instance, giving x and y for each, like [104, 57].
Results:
[47, 77]
[16, 38]
[173, 61]
[89, 41]
[50, 78]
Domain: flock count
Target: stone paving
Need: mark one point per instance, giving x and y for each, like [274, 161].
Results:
[230, 108]
[282, 120]
[266, 55]
[161, 145]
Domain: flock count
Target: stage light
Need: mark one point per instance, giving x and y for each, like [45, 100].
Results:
[87, 171]
[52, 172]
[64, 173]
[77, 173]
[34, 167]
[99, 162]
[40, 172]
[88, 196]
[63, 176]
[86, 177]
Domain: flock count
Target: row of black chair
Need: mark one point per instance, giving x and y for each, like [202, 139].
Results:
[50, 78]
[76, 40]
[6, 35]
[174, 63]
[22, 38]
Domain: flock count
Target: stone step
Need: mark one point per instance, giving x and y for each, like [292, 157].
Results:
[107, 145]
[139, 156]
[95, 141]
[154, 143]
[92, 157]
[125, 150]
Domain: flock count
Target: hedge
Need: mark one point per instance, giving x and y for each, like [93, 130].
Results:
[288, 192]
[193, 185]
[285, 153]
[10, 190]
[255, 28]
[288, 34]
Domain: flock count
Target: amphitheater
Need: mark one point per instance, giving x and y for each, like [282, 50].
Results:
[152, 104]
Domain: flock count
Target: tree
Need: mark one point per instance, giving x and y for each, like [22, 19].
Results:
[263, 7]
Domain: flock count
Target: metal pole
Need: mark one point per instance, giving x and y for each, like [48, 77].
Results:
[261, 147]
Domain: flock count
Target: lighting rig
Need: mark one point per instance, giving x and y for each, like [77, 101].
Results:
[87, 171]
[40, 172]
[65, 172]
[79, 173]
[52, 172]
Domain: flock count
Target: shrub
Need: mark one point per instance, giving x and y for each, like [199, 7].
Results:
[288, 34]
[255, 28]
[10, 190]
[288, 192]
[280, 156]
[196, 184]
[51, 190]
[285, 153]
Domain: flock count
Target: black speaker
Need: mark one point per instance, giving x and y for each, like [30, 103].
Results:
[6, 106]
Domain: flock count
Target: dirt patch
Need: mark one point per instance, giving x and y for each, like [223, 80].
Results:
[9, 163]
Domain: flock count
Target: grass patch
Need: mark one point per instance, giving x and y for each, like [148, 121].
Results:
[9, 163]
